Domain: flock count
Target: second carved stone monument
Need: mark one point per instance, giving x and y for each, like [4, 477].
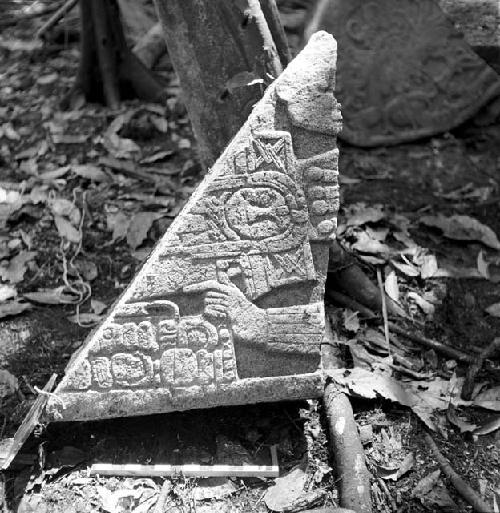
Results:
[228, 309]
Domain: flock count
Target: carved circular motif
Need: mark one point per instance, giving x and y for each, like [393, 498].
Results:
[257, 213]
[197, 333]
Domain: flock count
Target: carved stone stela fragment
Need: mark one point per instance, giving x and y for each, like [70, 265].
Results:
[404, 72]
[228, 309]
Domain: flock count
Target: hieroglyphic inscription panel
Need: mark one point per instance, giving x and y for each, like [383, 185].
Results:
[228, 309]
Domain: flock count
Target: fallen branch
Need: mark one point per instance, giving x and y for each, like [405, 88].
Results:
[12, 20]
[58, 15]
[461, 486]
[384, 310]
[432, 344]
[347, 450]
[347, 302]
[476, 366]
[28, 424]
[272, 16]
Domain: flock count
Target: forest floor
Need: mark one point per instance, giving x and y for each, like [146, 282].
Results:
[84, 195]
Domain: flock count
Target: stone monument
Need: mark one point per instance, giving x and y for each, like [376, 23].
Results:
[228, 308]
[404, 72]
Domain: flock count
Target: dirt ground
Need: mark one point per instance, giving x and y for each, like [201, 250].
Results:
[456, 173]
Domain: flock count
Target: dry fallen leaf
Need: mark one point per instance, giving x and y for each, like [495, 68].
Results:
[488, 399]
[362, 215]
[139, 228]
[286, 490]
[482, 266]
[97, 306]
[8, 383]
[10, 308]
[397, 471]
[118, 222]
[91, 172]
[56, 296]
[459, 422]
[365, 244]
[351, 320]
[463, 228]
[407, 269]
[7, 292]
[15, 270]
[429, 267]
[67, 230]
[391, 286]
[493, 310]
[427, 307]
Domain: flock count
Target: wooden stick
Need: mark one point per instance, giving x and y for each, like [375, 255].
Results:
[60, 13]
[272, 16]
[132, 470]
[347, 450]
[384, 310]
[28, 424]
[348, 302]
[433, 344]
[461, 486]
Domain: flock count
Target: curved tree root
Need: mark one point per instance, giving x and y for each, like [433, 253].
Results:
[347, 451]
[461, 486]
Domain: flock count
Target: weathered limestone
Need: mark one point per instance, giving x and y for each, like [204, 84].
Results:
[228, 309]
[404, 72]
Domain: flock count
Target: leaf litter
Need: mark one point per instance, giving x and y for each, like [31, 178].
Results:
[378, 235]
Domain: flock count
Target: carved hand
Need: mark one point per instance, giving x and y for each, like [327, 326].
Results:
[247, 320]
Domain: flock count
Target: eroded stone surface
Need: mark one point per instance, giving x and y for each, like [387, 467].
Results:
[403, 71]
[228, 309]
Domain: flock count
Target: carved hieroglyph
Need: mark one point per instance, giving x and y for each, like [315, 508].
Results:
[403, 71]
[228, 309]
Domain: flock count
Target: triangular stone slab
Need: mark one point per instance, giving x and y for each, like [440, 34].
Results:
[404, 72]
[228, 308]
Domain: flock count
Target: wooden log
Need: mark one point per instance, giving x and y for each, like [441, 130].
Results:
[224, 55]
[347, 451]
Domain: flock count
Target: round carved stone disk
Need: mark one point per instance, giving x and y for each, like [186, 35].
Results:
[404, 72]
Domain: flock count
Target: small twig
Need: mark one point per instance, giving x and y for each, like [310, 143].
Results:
[461, 486]
[162, 498]
[348, 302]
[432, 344]
[476, 366]
[384, 310]
[60, 13]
